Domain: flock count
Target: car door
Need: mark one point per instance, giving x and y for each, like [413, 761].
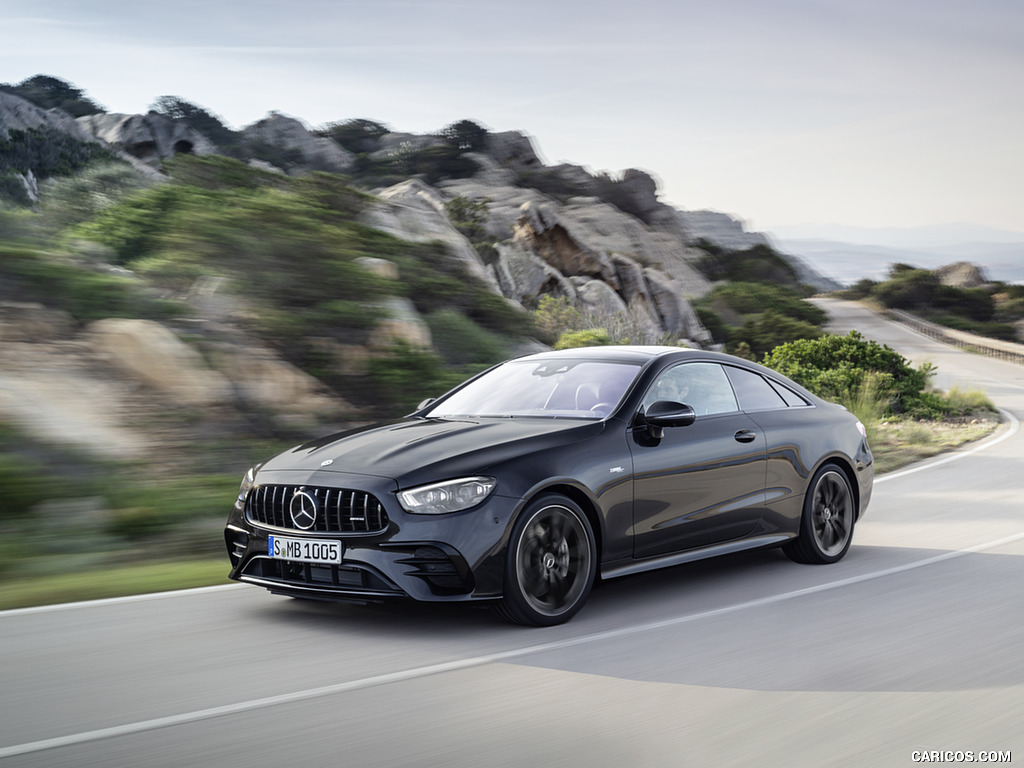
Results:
[701, 484]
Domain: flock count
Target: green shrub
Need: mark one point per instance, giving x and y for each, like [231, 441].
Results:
[78, 289]
[47, 152]
[838, 367]
[758, 264]
[763, 333]
[23, 484]
[588, 337]
[748, 299]
[461, 341]
[146, 509]
[405, 376]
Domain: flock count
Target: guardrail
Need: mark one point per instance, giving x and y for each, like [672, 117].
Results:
[1003, 350]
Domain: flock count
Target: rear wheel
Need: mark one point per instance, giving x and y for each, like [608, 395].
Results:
[826, 526]
[550, 564]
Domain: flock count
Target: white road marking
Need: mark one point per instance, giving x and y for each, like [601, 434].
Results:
[117, 600]
[475, 661]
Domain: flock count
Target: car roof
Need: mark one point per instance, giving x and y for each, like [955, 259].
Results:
[621, 354]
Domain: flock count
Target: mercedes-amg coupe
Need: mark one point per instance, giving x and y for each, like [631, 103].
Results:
[531, 481]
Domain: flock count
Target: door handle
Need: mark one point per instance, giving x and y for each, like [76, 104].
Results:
[745, 436]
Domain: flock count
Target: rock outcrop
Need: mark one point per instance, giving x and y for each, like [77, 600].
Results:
[316, 153]
[149, 352]
[414, 211]
[729, 233]
[962, 274]
[150, 138]
[20, 114]
[606, 286]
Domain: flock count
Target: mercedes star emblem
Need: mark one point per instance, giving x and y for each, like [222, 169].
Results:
[303, 510]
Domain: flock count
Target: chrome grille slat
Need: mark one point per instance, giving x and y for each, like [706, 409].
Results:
[339, 510]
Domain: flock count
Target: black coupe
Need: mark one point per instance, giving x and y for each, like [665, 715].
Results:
[530, 481]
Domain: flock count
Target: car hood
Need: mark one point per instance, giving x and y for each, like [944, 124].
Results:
[412, 451]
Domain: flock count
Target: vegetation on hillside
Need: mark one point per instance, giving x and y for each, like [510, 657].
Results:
[990, 310]
[757, 302]
[52, 93]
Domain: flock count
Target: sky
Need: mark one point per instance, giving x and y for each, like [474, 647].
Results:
[785, 113]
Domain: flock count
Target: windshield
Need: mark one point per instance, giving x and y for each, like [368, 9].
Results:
[549, 388]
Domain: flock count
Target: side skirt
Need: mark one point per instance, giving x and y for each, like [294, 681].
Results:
[664, 561]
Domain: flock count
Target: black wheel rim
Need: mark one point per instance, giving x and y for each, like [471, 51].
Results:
[553, 560]
[832, 514]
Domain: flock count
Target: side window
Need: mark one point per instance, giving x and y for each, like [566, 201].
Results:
[754, 393]
[702, 386]
[793, 400]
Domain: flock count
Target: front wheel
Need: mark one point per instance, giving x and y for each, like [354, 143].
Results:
[826, 526]
[550, 564]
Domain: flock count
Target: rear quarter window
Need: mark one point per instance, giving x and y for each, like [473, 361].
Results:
[754, 392]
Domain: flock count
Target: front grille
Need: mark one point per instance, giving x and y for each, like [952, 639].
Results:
[337, 510]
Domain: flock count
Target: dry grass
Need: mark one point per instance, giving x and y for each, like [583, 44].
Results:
[898, 443]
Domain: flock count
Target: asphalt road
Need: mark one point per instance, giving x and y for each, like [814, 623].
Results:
[912, 643]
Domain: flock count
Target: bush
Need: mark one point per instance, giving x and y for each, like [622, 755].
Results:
[50, 92]
[23, 484]
[357, 135]
[767, 331]
[754, 298]
[74, 199]
[554, 316]
[588, 337]
[758, 264]
[839, 367]
[405, 376]
[47, 152]
[81, 291]
[462, 342]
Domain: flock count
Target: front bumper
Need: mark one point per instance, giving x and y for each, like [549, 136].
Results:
[452, 557]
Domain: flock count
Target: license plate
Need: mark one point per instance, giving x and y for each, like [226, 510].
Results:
[304, 550]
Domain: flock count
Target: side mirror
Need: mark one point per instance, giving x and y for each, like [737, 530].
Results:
[667, 413]
[424, 403]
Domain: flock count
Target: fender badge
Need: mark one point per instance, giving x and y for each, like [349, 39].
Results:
[616, 470]
[325, 463]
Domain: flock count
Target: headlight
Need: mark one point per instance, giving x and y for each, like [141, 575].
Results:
[247, 483]
[450, 496]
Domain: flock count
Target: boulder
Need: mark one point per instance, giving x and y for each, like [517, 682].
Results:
[150, 353]
[489, 171]
[20, 114]
[962, 274]
[402, 323]
[525, 277]
[149, 138]
[597, 299]
[675, 312]
[415, 212]
[317, 153]
[539, 229]
[513, 150]
[262, 379]
[639, 192]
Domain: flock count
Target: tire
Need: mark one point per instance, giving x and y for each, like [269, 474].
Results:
[550, 564]
[826, 525]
